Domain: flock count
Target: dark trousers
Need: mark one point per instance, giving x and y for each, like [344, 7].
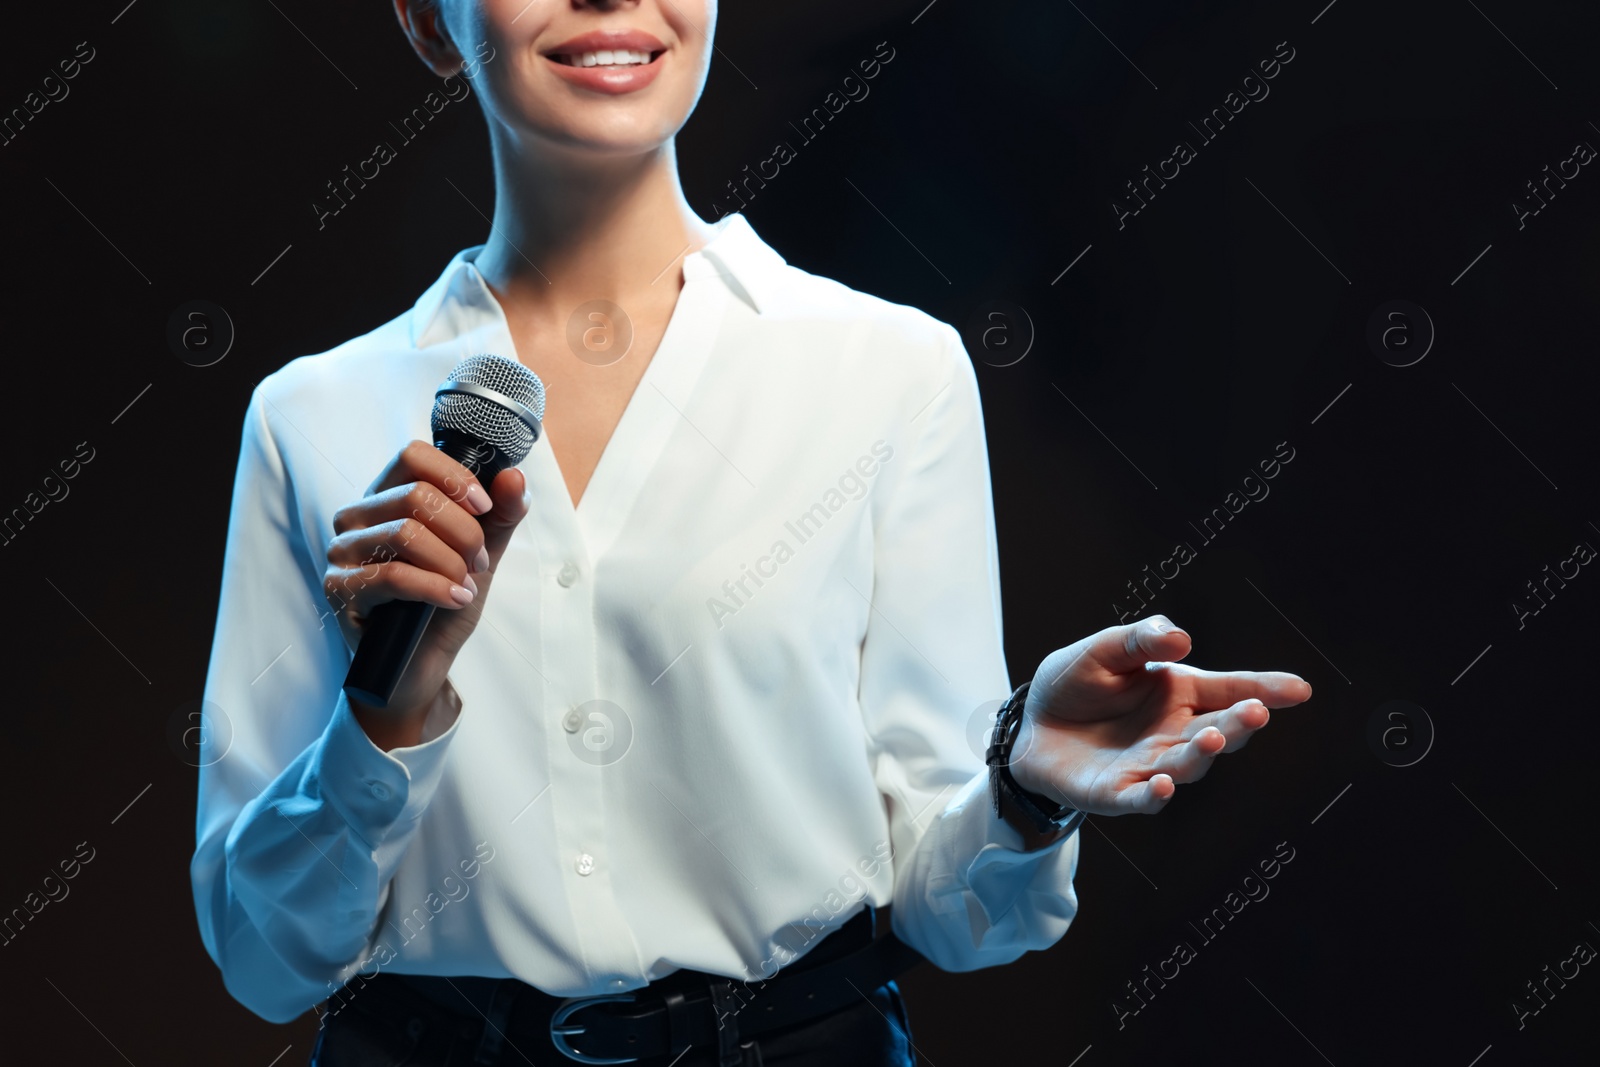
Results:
[387, 1024]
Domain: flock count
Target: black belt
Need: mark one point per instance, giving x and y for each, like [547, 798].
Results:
[682, 1009]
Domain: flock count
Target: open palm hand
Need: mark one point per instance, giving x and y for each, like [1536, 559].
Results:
[1112, 723]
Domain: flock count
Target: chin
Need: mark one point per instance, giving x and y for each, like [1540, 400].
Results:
[605, 135]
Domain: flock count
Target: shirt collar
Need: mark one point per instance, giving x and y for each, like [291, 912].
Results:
[747, 265]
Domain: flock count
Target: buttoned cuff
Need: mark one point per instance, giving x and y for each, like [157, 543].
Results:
[377, 791]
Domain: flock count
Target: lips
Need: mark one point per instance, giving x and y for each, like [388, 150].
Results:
[608, 61]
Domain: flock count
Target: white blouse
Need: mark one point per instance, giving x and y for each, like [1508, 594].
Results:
[708, 712]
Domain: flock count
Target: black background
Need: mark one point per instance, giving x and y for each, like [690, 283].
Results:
[1176, 353]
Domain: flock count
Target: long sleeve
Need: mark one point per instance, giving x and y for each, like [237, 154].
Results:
[965, 893]
[301, 819]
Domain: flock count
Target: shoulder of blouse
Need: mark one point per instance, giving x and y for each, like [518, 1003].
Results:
[924, 347]
[307, 383]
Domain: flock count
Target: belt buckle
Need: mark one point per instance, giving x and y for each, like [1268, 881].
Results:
[560, 1029]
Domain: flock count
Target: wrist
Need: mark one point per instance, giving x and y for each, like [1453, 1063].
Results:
[1025, 768]
[1037, 814]
[404, 727]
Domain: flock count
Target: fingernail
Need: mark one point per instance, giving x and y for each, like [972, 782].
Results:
[481, 563]
[461, 595]
[477, 499]
[470, 584]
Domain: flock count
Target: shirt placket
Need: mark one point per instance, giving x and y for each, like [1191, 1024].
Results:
[585, 737]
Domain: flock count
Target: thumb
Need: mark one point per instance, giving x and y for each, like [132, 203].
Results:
[508, 492]
[1121, 649]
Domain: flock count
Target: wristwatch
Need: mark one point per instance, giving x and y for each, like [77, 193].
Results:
[1048, 820]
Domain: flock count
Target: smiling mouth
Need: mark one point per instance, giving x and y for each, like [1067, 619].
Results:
[616, 59]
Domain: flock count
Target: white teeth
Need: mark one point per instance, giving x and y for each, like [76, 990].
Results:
[612, 58]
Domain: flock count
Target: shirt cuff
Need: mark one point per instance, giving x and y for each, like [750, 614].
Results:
[999, 872]
[377, 791]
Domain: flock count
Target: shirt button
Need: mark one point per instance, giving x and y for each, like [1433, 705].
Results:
[618, 983]
[379, 790]
[585, 864]
[567, 575]
[571, 721]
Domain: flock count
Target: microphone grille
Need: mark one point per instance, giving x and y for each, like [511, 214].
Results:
[487, 419]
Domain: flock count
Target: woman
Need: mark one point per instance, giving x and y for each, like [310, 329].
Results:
[705, 694]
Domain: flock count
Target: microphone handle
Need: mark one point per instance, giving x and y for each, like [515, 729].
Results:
[394, 629]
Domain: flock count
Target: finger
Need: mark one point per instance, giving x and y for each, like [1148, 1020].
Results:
[1121, 649]
[1149, 796]
[403, 539]
[424, 503]
[509, 493]
[1238, 723]
[419, 461]
[1219, 689]
[360, 589]
[1188, 761]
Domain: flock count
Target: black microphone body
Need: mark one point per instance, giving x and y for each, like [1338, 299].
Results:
[394, 629]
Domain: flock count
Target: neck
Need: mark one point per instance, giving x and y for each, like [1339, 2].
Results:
[569, 228]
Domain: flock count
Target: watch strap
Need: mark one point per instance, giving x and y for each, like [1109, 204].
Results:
[1042, 813]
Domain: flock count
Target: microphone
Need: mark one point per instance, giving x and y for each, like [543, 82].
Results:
[485, 417]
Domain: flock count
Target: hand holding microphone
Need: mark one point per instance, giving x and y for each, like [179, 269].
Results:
[429, 535]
